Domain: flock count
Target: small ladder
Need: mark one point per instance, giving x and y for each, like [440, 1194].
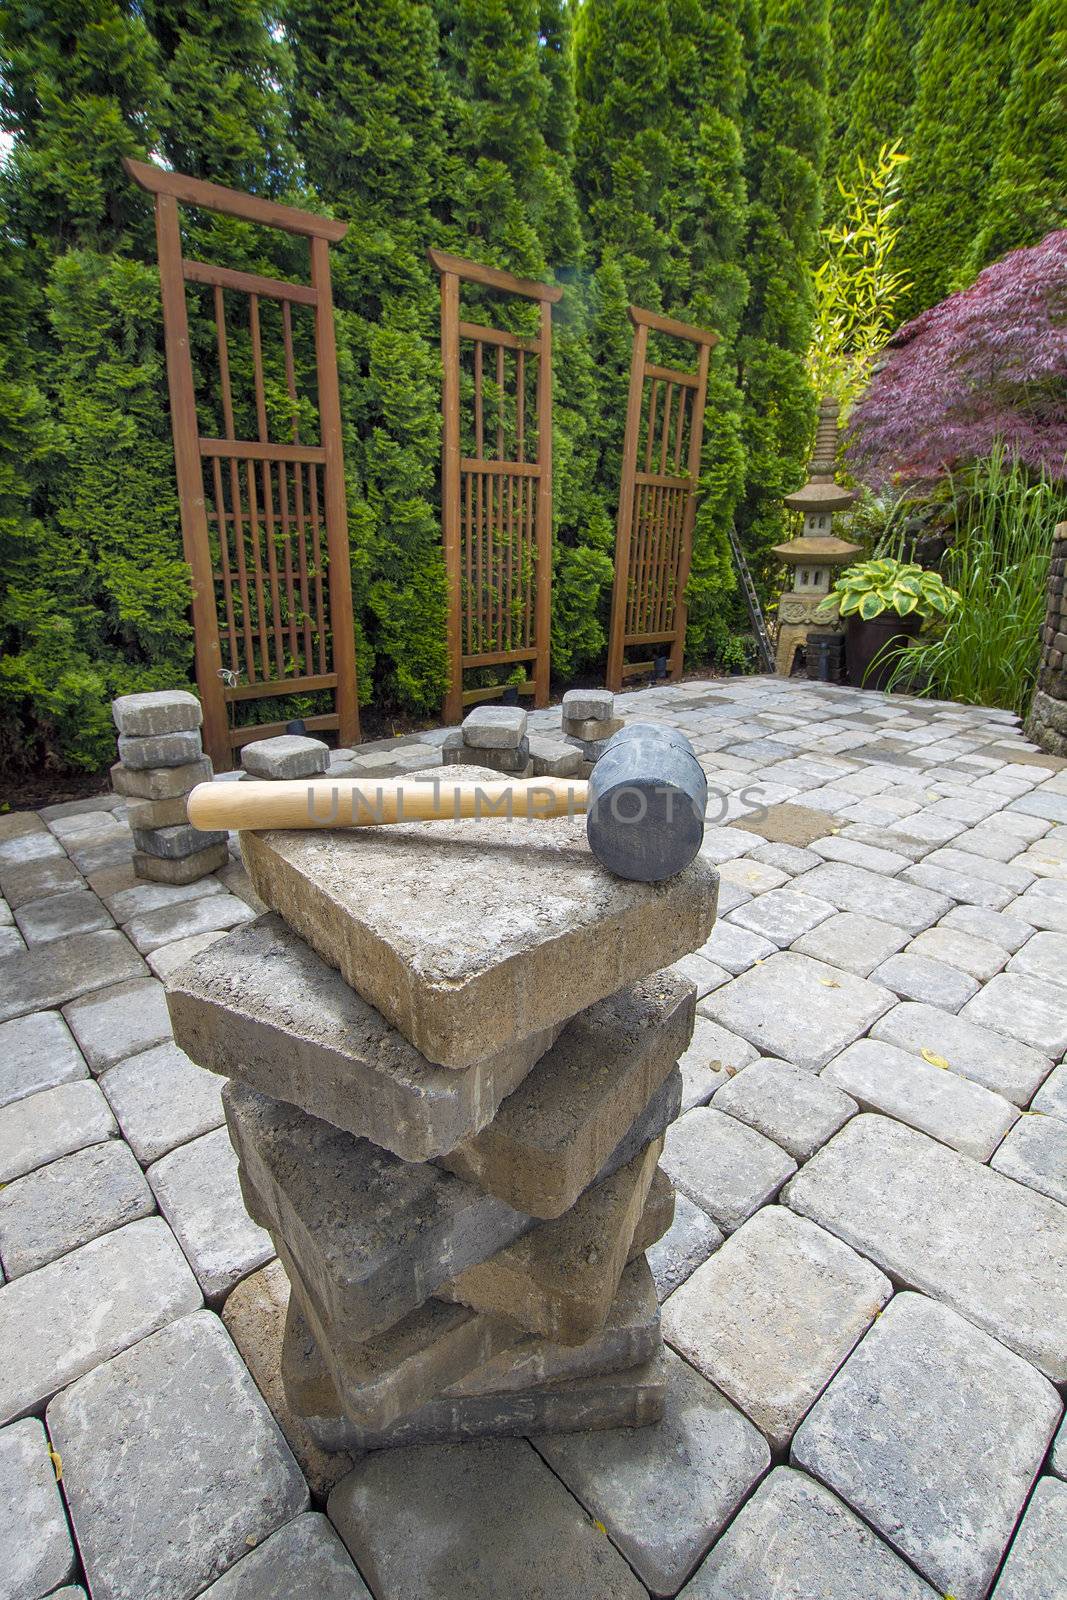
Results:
[755, 610]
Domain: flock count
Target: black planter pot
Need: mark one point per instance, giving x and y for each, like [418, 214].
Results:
[866, 643]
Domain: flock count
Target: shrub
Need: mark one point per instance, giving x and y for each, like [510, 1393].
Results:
[987, 651]
[986, 364]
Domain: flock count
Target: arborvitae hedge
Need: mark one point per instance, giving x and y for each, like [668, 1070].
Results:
[1026, 197]
[785, 119]
[963, 65]
[881, 95]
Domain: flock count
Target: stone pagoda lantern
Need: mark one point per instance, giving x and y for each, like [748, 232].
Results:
[815, 552]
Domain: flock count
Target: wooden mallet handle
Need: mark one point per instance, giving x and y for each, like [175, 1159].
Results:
[369, 802]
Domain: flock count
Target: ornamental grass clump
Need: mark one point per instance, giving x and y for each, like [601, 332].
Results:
[986, 652]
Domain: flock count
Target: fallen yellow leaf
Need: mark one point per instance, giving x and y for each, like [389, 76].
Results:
[57, 1463]
[934, 1059]
[829, 983]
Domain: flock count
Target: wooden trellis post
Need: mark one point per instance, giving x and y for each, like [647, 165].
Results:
[264, 524]
[657, 501]
[496, 500]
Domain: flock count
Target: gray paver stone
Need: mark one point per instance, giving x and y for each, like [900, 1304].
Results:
[36, 1053]
[582, 704]
[1035, 1153]
[553, 758]
[306, 1557]
[176, 843]
[42, 1127]
[796, 1109]
[34, 1537]
[480, 1520]
[1051, 1098]
[852, 941]
[162, 1100]
[134, 897]
[735, 948]
[467, 936]
[798, 1009]
[753, 876]
[488, 759]
[1008, 932]
[773, 1349]
[139, 752]
[199, 1194]
[910, 1204]
[933, 1432]
[726, 1167]
[854, 853]
[1041, 803]
[979, 957]
[111, 1024]
[591, 730]
[1044, 956]
[1032, 1010]
[25, 847]
[1058, 1461]
[52, 974]
[1036, 1568]
[58, 916]
[36, 880]
[966, 888]
[1044, 905]
[211, 913]
[66, 1318]
[371, 1235]
[183, 869]
[782, 915]
[704, 975]
[930, 982]
[855, 889]
[689, 1240]
[664, 1493]
[142, 814]
[290, 755]
[210, 1461]
[65, 1204]
[157, 711]
[160, 783]
[942, 1103]
[263, 1007]
[167, 961]
[11, 942]
[1004, 1065]
[797, 1541]
[494, 727]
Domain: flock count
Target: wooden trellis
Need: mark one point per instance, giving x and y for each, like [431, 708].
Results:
[496, 486]
[264, 524]
[657, 501]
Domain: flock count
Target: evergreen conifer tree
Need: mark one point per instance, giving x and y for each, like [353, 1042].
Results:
[368, 115]
[963, 65]
[659, 172]
[1027, 193]
[786, 139]
[849, 22]
[95, 591]
[881, 96]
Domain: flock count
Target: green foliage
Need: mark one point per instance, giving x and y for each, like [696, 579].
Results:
[659, 174]
[869, 588]
[987, 652]
[1027, 192]
[963, 65]
[872, 97]
[786, 141]
[856, 284]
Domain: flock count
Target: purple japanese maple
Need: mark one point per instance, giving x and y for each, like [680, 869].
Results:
[988, 363]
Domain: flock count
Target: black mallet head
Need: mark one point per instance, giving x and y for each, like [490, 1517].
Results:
[647, 798]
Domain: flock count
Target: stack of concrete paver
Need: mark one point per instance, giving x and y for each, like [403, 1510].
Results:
[289, 755]
[160, 760]
[589, 721]
[496, 737]
[452, 1057]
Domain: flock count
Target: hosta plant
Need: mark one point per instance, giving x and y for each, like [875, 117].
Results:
[870, 588]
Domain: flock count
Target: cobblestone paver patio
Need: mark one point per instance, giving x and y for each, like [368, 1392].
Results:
[865, 1284]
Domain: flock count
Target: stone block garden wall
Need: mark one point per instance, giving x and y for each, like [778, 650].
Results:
[1048, 714]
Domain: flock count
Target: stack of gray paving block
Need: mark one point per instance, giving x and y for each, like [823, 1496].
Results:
[589, 721]
[290, 755]
[160, 760]
[493, 737]
[451, 1052]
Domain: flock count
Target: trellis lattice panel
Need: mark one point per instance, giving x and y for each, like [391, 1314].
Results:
[260, 469]
[496, 485]
[657, 499]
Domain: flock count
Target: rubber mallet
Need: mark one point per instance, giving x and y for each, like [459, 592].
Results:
[644, 803]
